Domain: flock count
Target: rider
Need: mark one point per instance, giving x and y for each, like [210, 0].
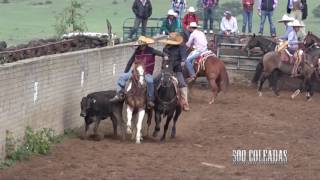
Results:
[286, 19]
[174, 50]
[148, 55]
[199, 42]
[171, 23]
[293, 43]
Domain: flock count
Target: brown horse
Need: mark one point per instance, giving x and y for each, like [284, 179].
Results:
[215, 71]
[135, 98]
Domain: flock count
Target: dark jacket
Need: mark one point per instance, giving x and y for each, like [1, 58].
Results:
[267, 5]
[143, 12]
[150, 54]
[168, 27]
[304, 10]
[175, 55]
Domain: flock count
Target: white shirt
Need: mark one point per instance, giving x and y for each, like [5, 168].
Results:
[293, 40]
[229, 24]
[198, 40]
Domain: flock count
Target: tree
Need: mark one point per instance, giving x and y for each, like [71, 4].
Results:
[316, 12]
[71, 19]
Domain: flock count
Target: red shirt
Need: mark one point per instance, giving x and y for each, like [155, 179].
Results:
[188, 18]
[247, 5]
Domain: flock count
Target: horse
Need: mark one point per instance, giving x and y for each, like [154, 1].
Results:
[210, 66]
[311, 40]
[135, 98]
[167, 100]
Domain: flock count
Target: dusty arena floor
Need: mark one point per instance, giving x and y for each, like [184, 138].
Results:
[203, 147]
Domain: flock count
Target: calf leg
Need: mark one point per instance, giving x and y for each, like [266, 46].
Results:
[95, 130]
[169, 117]
[158, 121]
[139, 125]
[129, 119]
[115, 126]
[175, 119]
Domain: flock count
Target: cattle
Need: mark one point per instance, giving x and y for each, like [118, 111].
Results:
[96, 107]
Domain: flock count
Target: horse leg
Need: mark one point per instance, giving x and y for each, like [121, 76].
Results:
[257, 74]
[175, 119]
[157, 126]
[298, 91]
[169, 117]
[214, 89]
[263, 78]
[129, 118]
[139, 125]
[275, 77]
[149, 120]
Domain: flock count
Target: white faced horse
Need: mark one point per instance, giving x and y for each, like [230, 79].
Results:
[136, 98]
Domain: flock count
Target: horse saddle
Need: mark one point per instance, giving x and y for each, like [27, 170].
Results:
[287, 57]
[204, 56]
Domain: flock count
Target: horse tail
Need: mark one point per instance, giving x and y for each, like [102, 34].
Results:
[258, 73]
[224, 79]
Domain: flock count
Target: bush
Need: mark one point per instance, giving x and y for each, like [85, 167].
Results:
[5, 1]
[316, 12]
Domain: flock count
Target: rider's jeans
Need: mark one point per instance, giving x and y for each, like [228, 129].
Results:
[126, 76]
[189, 62]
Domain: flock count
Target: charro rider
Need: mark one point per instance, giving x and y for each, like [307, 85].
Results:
[147, 54]
[199, 42]
[293, 43]
[175, 53]
[285, 20]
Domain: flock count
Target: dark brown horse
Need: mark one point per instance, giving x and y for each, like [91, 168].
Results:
[135, 98]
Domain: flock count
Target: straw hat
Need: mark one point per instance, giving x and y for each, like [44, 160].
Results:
[143, 40]
[227, 13]
[171, 12]
[193, 25]
[173, 39]
[295, 23]
[191, 9]
[286, 18]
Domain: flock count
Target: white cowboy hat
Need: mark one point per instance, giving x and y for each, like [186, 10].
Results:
[286, 18]
[227, 13]
[191, 9]
[193, 25]
[171, 12]
[143, 40]
[173, 39]
[295, 23]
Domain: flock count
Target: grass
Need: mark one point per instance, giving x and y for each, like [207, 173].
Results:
[21, 21]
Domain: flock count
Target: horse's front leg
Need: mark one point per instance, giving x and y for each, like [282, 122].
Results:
[129, 119]
[149, 120]
[169, 117]
[262, 80]
[158, 121]
[175, 119]
[139, 125]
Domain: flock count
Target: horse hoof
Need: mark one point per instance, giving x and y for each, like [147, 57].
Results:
[129, 131]
[138, 142]
[155, 134]
[162, 139]
[309, 99]
[260, 94]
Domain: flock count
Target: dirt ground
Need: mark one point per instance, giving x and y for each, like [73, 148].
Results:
[203, 147]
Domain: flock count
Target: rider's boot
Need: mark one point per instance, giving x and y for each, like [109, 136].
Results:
[184, 99]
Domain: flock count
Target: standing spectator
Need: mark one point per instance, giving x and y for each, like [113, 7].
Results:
[265, 9]
[247, 15]
[179, 6]
[188, 18]
[170, 24]
[142, 10]
[208, 13]
[297, 8]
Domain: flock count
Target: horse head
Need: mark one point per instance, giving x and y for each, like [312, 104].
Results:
[310, 40]
[252, 43]
[138, 72]
[166, 73]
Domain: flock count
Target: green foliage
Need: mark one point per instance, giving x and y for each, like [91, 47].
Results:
[39, 142]
[316, 11]
[71, 19]
[5, 1]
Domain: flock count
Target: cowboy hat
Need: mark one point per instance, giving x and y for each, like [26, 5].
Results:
[227, 13]
[171, 12]
[295, 23]
[193, 25]
[173, 39]
[191, 9]
[143, 40]
[286, 18]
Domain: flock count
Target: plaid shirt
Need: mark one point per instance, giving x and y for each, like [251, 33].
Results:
[209, 3]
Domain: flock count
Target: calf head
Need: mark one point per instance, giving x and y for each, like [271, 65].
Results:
[86, 104]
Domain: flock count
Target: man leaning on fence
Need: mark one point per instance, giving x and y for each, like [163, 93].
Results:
[142, 10]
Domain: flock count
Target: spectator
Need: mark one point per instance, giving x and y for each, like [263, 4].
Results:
[247, 15]
[265, 9]
[208, 14]
[179, 6]
[188, 18]
[170, 24]
[142, 10]
[297, 8]
[228, 26]
[286, 19]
